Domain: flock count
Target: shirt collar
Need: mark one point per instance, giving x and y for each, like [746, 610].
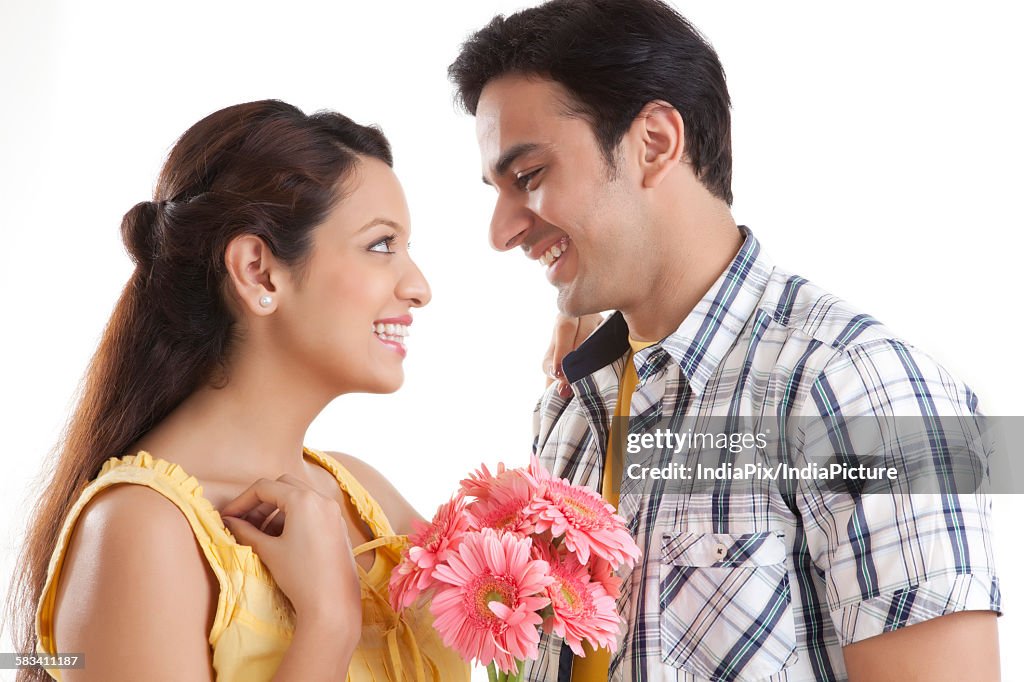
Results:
[705, 335]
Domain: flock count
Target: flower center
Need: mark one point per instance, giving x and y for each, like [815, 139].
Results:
[482, 591]
[504, 517]
[580, 510]
[433, 540]
[569, 594]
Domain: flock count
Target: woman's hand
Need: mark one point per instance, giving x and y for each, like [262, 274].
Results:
[302, 537]
[568, 334]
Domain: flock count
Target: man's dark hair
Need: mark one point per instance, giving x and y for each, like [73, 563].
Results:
[613, 56]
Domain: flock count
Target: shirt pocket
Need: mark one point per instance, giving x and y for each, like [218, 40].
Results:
[725, 611]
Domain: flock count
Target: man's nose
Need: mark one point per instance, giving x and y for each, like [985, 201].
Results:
[509, 224]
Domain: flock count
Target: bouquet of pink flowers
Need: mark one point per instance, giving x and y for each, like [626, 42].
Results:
[513, 551]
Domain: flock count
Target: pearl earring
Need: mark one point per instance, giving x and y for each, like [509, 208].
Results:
[265, 301]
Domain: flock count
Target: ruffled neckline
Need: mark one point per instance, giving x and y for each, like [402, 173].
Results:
[368, 508]
[189, 486]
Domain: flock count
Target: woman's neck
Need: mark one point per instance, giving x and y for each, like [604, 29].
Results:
[251, 427]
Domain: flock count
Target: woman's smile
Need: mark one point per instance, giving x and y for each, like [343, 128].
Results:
[392, 331]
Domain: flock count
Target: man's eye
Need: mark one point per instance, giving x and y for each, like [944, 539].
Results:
[523, 181]
[384, 245]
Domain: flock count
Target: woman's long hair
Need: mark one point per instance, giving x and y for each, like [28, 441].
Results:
[262, 168]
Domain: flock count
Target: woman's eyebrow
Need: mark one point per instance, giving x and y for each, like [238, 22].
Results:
[381, 221]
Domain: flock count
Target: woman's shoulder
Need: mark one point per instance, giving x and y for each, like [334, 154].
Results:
[130, 532]
[401, 514]
[132, 554]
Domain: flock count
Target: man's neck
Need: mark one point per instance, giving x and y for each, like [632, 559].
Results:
[698, 249]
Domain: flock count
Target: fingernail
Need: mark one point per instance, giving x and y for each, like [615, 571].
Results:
[564, 390]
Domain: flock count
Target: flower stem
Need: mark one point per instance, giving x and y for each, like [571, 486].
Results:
[495, 675]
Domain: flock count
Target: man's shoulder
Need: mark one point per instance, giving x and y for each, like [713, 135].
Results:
[849, 349]
[799, 307]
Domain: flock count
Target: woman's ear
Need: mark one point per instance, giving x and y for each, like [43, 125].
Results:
[254, 274]
[663, 142]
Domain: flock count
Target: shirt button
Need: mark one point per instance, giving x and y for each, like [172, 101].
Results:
[720, 551]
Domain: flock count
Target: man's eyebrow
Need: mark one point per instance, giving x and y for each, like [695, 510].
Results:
[381, 221]
[509, 156]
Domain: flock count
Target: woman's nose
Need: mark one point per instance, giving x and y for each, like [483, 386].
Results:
[413, 287]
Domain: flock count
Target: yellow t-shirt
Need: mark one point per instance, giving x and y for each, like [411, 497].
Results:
[253, 626]
[594, 666]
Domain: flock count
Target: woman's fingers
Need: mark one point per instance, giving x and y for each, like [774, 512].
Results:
[563, 341]
[261, 493]
[588, 324]
[303, 528]
[247, 534]
[562, 337]
[547, 364]
[299, 527]
[261, 514]
[568, 334]
[266, 516]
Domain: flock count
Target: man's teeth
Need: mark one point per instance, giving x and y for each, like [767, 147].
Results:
[391, 332]
[554, 252]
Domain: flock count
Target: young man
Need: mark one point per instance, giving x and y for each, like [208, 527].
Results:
[604, 128]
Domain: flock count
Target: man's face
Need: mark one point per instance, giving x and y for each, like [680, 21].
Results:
[557, 197]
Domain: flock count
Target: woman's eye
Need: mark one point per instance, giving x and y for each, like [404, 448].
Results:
[523, 181]
[384, 245]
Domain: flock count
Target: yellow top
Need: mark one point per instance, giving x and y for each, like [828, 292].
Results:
[594, 666]
[253, 625]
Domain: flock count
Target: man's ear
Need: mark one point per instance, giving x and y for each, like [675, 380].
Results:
[254, 274]
[663, 143]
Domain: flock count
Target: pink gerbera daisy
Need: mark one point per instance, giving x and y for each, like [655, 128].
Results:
[429, 544]
[479, 483]
[601, 572]
[588, 523]
[403, 586]
[505, 505]
[537, 471]
[581, 608]
[488, 608]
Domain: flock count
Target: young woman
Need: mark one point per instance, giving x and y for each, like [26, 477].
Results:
[272, 275]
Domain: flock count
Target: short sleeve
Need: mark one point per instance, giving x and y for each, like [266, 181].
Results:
[909, 545]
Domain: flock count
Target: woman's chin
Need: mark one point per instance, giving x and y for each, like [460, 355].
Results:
[388, 384]
[378, 383]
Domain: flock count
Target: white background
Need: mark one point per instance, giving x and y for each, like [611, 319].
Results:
[876, 146]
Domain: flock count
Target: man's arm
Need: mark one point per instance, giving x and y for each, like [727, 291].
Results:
[910, 580]
[957, 646]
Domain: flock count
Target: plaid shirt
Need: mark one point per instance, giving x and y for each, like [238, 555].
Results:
[769, 585]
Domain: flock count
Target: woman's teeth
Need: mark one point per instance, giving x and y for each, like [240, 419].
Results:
[391, 332]
[554, 252]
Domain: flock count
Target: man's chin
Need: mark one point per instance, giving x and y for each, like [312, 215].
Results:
[573, 305]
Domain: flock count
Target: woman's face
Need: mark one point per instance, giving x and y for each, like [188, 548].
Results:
[346, 319]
